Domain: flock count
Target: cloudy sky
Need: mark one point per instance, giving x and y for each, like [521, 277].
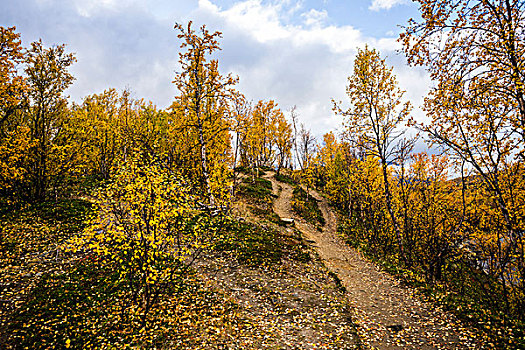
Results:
[297, 52]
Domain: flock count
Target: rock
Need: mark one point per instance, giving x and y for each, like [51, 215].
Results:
[288, 221]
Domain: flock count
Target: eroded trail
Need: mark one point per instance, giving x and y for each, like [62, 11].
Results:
[389, 315]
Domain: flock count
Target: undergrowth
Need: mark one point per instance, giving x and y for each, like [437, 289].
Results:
[259, 198]
[89, 308]
[258, 245]
[55, 300]
[260, 190]
[307, 207]
[286, 179]
[456, 294]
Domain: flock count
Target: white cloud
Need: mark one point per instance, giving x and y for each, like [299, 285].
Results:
[385, 4]
[262, 22]
[305, 63]
[90, 8]
[207, 5]
[314, 17]
[280, 49]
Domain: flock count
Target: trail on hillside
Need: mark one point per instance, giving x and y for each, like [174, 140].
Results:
[389, 315]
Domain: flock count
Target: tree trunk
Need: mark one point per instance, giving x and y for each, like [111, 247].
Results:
[388, 196]
[204, 162]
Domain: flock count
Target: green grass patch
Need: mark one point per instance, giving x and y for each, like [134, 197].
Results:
[286, 179]
[69, 309]
[34, 230]
[267, 213]
[259, 197]
[260, 190]
[243, 170]
[68, 213]
[306, 207]
[257, 245]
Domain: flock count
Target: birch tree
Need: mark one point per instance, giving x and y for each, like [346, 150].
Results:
[376, 113]
[202, 102]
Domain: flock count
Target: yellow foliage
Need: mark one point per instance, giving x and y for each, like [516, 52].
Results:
[142, 221]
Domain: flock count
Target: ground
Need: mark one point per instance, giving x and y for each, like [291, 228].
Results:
[274, 286]
[388, 314]
[295, 303]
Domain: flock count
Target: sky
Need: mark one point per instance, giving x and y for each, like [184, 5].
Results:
[296, 52]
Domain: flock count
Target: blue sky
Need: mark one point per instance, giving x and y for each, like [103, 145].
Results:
[297, 52]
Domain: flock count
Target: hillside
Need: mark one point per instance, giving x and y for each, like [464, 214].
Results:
[224, 219]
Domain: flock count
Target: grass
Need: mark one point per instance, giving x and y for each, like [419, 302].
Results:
[256, 245]
[42, 299]
[259, 197]
[68, 307]
[286, 179]
[29, 239]
[89, 308]
[267, 213]
[307, 207]
[260, 190]
[82, 302]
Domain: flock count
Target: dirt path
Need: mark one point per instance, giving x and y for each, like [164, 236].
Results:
[389, 315]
